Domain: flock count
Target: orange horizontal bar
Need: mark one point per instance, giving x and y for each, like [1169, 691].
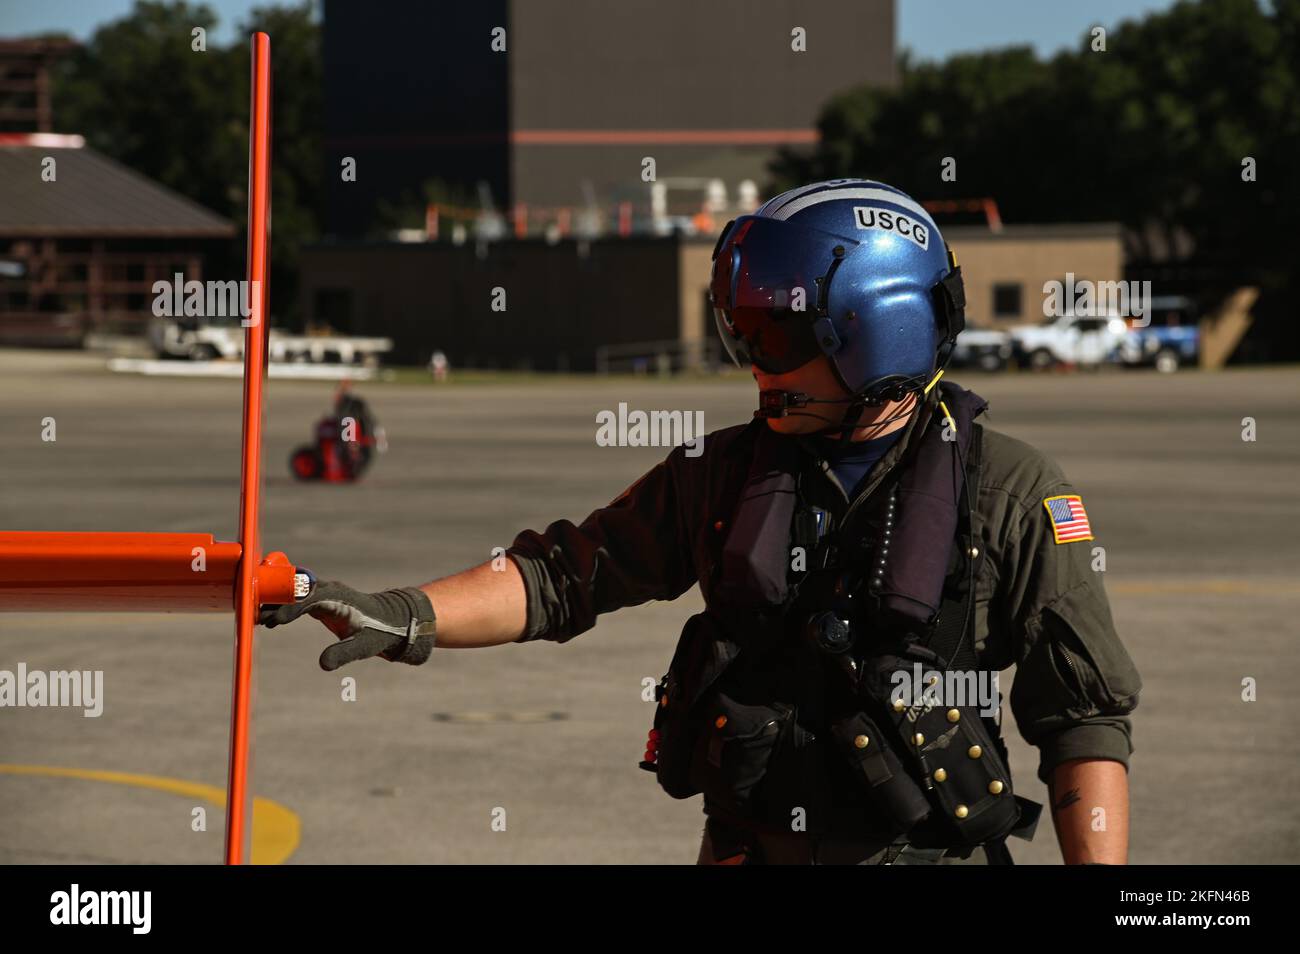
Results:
[136, 572]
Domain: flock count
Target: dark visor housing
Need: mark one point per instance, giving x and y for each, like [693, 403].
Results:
[883, 306]
[765, 292]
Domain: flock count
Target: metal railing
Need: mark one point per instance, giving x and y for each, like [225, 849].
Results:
[662, 358]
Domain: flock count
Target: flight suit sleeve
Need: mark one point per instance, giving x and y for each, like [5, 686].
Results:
[636, 549]
[1075, 683]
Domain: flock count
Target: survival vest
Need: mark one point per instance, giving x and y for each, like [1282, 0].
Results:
[817, 684]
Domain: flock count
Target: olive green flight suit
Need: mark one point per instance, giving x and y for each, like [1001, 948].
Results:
[1039, 606]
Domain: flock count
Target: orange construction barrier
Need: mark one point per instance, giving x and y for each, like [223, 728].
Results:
[186, 572]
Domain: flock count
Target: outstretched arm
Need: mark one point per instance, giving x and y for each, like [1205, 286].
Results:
[481, 606]
[548, 585]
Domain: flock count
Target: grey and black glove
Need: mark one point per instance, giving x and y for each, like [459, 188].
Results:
[398, 625]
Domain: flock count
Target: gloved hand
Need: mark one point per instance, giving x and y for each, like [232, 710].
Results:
[398, 625]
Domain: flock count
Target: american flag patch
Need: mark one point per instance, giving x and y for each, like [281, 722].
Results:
[1069, 519]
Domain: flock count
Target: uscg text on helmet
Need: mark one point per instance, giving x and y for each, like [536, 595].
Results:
[867, 217]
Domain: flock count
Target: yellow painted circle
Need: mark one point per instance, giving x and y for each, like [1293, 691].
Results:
[276, 830]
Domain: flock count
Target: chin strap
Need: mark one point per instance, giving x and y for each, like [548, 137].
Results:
[774, 403]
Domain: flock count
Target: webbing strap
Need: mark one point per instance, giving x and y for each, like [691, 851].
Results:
[955, 617]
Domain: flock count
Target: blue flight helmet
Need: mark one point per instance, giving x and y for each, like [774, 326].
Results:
[852, 269]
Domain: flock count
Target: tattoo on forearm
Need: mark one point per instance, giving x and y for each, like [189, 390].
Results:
[1068, 799]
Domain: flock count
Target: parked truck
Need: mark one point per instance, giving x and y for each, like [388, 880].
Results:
[213, 340]
[1070, 339]
[1170, 341]
[984, 348]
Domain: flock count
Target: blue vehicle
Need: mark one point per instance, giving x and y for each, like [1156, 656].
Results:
[1171, 340]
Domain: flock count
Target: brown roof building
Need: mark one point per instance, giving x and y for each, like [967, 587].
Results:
[83, 239]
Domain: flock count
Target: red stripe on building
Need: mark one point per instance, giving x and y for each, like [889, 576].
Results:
[705, 137]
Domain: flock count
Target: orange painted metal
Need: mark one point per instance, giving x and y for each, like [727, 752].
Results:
[137, 572]
[129, 572]
[275, 579]
[186, 572]
[238, 790]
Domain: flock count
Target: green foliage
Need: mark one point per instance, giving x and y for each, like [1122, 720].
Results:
[139, 93]
[1151, 133]
[408, 210]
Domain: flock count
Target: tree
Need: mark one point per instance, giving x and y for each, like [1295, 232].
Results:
[1151, 133]
[138, 93]
[141, 94]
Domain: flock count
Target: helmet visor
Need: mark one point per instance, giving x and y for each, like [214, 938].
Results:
[764, 289]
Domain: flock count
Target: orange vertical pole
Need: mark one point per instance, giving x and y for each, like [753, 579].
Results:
[238, 794]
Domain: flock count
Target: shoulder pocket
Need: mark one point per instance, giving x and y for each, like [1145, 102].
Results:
[1089, 651]
[1076, 666]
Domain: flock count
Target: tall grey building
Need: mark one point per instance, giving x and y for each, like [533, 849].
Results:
[556, 104]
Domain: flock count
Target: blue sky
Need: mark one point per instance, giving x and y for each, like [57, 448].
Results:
[935, 28]
[931, 28]
[81, 17]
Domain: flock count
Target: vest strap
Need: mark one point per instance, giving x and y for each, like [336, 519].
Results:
[956, 621]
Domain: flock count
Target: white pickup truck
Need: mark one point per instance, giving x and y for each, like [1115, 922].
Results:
[984, 348]
[1069, 339]
[209, 342]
